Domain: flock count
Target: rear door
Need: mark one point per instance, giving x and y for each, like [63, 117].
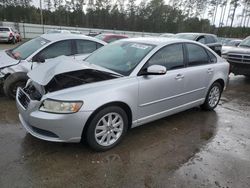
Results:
[199, 72]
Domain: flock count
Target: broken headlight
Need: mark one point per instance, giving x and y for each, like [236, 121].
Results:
[60, 107]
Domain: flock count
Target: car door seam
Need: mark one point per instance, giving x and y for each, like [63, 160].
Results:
[172, 97]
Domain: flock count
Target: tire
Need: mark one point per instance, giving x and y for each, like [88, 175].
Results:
[213, 96]
[12, 82]
[96, 126]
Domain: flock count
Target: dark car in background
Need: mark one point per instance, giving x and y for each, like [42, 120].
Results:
[110, 37]
[205, 38]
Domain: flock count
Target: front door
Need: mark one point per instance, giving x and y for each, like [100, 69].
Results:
[159, 94]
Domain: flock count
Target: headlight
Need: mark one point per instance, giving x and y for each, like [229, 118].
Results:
[61, 107]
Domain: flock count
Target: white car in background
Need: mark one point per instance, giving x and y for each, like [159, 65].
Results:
[16, 62]
[7, 34]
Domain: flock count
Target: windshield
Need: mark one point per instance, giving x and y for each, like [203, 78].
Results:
[26, 49]
[245, 42]
[121, 57]
[185, 36]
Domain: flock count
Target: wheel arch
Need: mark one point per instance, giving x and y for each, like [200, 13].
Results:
[120, 104]
[221, 82]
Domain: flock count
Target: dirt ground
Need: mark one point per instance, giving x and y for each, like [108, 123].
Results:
[191, 149]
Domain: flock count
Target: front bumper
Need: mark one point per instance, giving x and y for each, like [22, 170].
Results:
[50, 126]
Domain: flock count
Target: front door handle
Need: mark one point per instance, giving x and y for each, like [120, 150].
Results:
[179, 77]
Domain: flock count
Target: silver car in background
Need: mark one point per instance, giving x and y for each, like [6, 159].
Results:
[16, 62]
[120, 86]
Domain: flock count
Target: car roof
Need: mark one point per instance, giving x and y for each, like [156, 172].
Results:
[64, 36]
[197, 34]
[113, 34]
[157, 40]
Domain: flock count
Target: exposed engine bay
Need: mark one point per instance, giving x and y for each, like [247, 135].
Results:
[67, 80]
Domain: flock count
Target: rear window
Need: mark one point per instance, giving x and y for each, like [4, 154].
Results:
[2, 29]
[211, 39]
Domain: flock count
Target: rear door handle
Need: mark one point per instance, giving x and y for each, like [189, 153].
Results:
[179, 77]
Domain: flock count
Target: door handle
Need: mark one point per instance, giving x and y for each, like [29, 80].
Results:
[179, 77]
[210, 70]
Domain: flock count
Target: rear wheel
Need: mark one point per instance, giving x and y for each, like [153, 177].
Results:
[107, 128]
[12, 82]
[213, 96]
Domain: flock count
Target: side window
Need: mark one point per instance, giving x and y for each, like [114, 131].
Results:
[85, 46]
[57, 49]
[212, 57]
[210, 39]
[170, 56]
[201, 40]
[196, 55]
[99, 45]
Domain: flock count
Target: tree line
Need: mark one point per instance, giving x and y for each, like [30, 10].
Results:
[148, 15]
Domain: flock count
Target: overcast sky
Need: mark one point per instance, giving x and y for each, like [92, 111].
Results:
[217, 20]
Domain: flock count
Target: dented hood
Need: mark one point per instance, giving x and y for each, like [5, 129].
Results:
[43, 73]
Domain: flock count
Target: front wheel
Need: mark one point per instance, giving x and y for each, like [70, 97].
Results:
[213, 96]
[107, 128]
[12, 82]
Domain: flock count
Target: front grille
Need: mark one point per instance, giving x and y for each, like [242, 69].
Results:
[23, 98]
[32, 92]
[238, 58]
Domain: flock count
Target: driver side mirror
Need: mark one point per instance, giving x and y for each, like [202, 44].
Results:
[38, 59]
[155, 70]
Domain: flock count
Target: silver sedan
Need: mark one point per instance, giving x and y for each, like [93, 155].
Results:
[120, 86]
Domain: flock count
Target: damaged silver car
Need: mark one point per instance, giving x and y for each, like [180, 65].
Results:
[16, 62]
[120, 86]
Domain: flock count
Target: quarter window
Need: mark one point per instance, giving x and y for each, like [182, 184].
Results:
[170, 56]
[57, 49]
[196, 55]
